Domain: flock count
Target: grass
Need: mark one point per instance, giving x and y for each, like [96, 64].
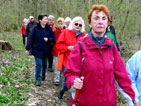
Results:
[14, 79]
[14, 38]
[14, 73]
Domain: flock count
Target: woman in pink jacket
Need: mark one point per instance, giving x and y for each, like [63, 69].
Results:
[101, 62]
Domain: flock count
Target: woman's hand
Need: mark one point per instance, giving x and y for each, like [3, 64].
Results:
[78, 83]
[26, 38]
[70, 48]
[27, 52]
[45, 39]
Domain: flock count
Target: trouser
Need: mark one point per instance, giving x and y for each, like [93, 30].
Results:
[64, 88]
[50, 61]
[23, 39]
[40, 67]
[50, 58]
[56, 72]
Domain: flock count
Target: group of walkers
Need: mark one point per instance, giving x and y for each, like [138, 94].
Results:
[91, 63]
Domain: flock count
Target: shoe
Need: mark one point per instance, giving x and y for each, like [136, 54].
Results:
[43, 77]
[57, 83]
[38, 83]
[60, 95]
[50, 69]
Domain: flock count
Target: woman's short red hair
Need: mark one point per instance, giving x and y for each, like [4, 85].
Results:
[99, 8]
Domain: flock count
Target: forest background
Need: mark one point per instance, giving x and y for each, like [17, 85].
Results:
[126, 16]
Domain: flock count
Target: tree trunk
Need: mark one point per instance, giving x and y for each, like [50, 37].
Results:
[5, 45]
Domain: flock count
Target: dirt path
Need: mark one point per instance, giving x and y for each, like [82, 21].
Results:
[46, 94]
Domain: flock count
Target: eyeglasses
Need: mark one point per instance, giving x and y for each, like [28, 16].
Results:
[76, 24]
[98, 18]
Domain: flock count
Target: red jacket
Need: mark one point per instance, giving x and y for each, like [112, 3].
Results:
[23, 29]
[57, 33]
[67, 38]
[99, 65]
[53, 27]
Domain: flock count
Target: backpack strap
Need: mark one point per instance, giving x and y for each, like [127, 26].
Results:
[113, 48]
[81, 57]
[80, 49]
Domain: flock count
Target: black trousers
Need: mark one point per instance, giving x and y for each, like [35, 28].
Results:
[23, 39]
[50, 58]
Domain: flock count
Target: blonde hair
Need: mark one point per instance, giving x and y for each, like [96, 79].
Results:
[99, 8]
[76, 19]
[60, 19]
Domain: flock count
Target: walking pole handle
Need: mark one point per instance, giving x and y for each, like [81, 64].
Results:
[75, 101]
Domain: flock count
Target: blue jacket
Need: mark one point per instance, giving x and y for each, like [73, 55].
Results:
[40, 48]
[133, 68]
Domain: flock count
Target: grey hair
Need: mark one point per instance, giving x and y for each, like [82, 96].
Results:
[76, 19]
[25, 19]
[50, 16]
[67, 19]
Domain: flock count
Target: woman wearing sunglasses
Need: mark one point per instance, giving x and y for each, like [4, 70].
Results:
[66, 42]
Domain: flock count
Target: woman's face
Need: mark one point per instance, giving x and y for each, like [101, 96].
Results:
[51, 21]
[67, 23]
[77, 25]
[26, 22]
[43, 21]
[99, 23]
[60, 25]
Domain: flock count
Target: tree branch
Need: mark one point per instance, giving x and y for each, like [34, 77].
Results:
[2, 2]
[85, 5]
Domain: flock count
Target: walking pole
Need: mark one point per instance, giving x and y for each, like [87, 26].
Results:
[75, 101]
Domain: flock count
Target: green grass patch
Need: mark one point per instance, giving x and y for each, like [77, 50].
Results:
[14, 78]
[14, 38]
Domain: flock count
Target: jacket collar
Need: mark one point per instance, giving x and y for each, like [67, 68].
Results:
[92, 45]
[97, 40]
[40, 27]
[58, 30]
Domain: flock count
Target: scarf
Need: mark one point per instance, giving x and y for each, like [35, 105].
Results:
[77, 33]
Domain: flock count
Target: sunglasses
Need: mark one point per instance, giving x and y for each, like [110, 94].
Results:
[76, 24]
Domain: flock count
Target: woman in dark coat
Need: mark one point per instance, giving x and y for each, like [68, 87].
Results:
[39, 40]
